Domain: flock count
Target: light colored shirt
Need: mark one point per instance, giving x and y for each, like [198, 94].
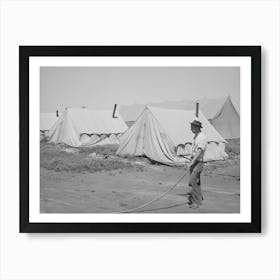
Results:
[199, 142]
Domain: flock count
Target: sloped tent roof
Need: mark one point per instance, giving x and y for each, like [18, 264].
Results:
[75, 122]
[130, 113]
[157, 133]
[227, 120]
[47, 120]
[210, 107]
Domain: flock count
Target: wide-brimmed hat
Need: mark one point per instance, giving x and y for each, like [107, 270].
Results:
[197, 123]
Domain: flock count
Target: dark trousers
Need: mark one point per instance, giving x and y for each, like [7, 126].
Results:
[195, 195]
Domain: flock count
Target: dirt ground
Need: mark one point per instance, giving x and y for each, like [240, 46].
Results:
[120, 189]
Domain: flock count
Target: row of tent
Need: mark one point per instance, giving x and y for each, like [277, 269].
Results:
[222, 113]
[162, 135]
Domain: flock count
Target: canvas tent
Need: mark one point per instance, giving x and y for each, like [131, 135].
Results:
[227, 120]
[81, 127]
[164, 134]
[47, 120]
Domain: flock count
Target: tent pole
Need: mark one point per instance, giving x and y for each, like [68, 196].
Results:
[114, 116]
[196, 109]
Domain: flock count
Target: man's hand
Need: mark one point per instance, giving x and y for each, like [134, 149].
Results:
[196, 156]
[191, 166]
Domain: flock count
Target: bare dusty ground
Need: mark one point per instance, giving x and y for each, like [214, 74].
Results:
[121, 189]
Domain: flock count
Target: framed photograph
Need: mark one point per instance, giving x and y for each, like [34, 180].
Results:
[140, 139]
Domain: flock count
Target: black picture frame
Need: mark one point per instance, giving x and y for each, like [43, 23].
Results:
[25, 52]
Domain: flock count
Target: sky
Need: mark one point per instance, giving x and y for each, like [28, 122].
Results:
[102, 87]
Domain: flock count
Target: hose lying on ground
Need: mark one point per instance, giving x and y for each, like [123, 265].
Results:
[155, 199]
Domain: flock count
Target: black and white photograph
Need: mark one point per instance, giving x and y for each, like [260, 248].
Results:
[139, 140]
[127, 136]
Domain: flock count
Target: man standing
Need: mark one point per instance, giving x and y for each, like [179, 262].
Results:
[196, 165]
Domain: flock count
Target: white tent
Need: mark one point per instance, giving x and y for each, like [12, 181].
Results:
[47, 120]
[227, 120]
[81, 127]
[164, 134]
